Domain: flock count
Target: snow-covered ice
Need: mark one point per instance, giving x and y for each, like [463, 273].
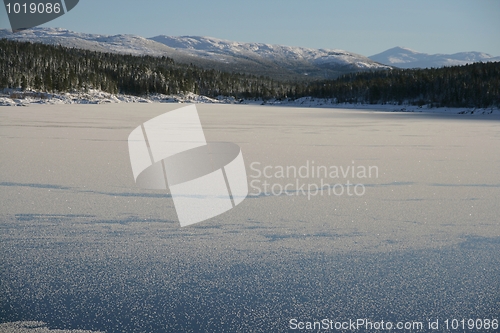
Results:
[84, 248]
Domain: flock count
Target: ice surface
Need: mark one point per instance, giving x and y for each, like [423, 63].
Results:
[84, 248]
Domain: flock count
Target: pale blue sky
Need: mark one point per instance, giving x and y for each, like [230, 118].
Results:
[362, 26]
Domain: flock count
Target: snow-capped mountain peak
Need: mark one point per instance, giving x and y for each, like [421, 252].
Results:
[256, 58]
[215, 48]
[408, 58]
[129, 44]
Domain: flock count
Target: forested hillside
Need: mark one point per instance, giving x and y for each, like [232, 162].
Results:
[52, 68]
[475, 85]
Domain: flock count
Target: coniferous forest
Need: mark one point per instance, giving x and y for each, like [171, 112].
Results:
[57, 69]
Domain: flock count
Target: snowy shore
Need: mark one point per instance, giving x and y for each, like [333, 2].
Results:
[26, 98]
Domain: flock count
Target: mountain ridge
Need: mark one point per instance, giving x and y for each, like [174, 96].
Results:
[278, 61]
[251, 58]
[403, 57]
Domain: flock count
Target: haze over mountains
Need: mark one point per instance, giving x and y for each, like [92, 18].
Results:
[408, 58]
[254, 58]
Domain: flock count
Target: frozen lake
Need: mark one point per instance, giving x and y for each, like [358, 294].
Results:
[84, 248]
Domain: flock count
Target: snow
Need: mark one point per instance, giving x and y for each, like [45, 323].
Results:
[311, 102]
[226, 51]
[34, 327]
[210, 47]
[126, 44]
[205, 47]
[85, 248]
[16, 98]
[408, 58]
[26, 98]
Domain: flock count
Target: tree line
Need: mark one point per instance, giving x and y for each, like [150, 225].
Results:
[25, 65]
[472, 85]
[51, 68]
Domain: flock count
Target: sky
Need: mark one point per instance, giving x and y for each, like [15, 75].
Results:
[366, 27]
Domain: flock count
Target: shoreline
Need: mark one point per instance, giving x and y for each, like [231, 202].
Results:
[25, 98]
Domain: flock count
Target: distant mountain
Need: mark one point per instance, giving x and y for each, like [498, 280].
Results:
[127, 44]
[276, 61]
[254, 58]
[305, 61]
[407, 58]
